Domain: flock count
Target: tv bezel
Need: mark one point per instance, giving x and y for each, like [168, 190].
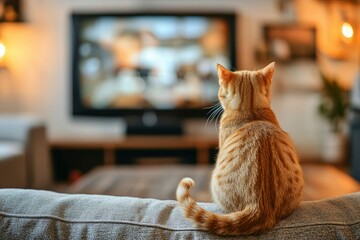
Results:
[78, 109]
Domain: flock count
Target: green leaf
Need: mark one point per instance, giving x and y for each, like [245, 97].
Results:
[334, 102]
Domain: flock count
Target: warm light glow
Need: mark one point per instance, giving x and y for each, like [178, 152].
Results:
[347, 30]
[2, 50]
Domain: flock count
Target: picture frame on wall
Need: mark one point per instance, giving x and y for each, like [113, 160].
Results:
[10, 11]
[287, 42]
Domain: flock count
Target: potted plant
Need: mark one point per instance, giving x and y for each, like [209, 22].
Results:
[333, 107]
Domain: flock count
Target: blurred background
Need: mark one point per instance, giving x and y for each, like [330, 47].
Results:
[315, 95]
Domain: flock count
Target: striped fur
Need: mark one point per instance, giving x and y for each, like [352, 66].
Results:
[257, 179]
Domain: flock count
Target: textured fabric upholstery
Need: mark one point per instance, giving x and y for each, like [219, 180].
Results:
[23, 140]
[34, 214]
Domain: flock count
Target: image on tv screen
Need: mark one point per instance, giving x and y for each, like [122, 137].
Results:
[159, 62]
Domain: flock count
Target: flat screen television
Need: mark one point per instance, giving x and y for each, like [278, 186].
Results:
[152, 69]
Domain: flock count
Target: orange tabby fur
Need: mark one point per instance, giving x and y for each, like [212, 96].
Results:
[257, 179]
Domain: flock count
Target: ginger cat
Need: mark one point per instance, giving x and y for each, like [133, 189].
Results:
[257, 179]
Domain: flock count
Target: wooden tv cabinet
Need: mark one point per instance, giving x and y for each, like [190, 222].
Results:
[84, 154]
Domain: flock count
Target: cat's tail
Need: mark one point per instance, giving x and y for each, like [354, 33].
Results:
[245, 222]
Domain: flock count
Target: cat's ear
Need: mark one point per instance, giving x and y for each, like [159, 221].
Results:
[267, 72]
[224, 74]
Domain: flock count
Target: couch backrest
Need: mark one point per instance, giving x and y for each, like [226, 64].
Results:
[31, 214]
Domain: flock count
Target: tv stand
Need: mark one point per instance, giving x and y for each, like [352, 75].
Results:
[83, 154]
[152, 124]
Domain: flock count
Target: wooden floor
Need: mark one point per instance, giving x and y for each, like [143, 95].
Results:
[324, 181]
[321, 181]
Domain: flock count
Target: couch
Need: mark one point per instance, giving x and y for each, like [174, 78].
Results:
[24, 153]
[38, 214]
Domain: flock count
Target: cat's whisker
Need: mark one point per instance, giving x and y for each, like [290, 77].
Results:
[212, 106]
[219, 113]
[211, 117]
[213, 113]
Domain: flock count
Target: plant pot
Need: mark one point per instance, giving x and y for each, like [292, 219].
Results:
[333, 147]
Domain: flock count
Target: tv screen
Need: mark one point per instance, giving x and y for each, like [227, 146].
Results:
[126, 63]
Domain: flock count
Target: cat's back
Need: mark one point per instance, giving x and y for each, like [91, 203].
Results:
[260, 155]
[248, 142]
[257, 132]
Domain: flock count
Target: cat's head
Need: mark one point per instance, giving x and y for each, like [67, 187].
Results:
[245, 90]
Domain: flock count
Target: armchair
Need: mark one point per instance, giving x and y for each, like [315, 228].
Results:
[24, 153]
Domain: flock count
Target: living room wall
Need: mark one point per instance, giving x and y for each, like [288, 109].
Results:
[38, 59]
[39, 56]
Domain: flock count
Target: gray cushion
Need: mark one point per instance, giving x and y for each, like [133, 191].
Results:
[31, 214]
